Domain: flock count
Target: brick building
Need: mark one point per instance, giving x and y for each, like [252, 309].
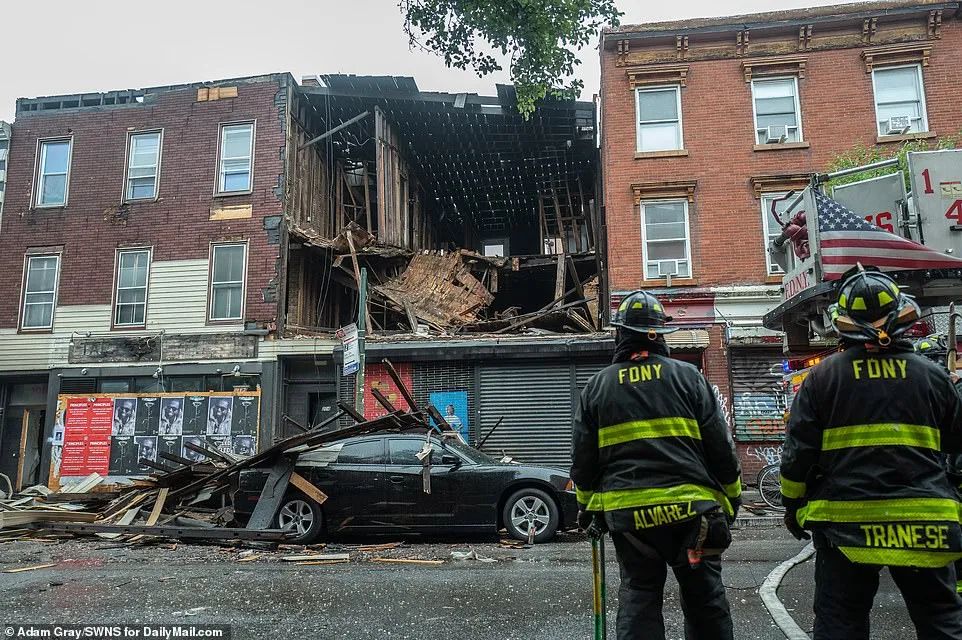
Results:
[707, 121]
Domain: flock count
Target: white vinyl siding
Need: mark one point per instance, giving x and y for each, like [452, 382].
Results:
[899, 92]
[143, 164]
[133, 269]
[772, 230]
[40, 291]
[776, 105]
[53, 172]
[666, 246]
[236, 158]
[658, 116]
[228, 266]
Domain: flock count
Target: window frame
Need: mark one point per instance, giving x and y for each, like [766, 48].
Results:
[681, 128]
[798, 109]
[210, 282]
[922, 98]
[377, 439]
[23, 292]
[765, 211]
[38, 172]
[644, 238]
[218, 169]
[116, 288]
[127, 157]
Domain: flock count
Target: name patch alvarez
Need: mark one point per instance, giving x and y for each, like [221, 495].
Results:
[663, 514]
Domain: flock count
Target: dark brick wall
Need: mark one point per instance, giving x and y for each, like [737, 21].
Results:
[94, 223]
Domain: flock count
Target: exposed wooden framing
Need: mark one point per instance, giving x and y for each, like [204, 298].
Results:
[560, 223]
[367, 198]
[559, 282]
[587, 214]
[331, 132]
[580, 291]
[544, 223]
[575, 229]
[384, 402]
[412, 319]
[24, 427]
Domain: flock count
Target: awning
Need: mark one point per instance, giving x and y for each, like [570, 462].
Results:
[688, 339]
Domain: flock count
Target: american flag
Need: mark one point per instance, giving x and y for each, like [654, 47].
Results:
[844, 238]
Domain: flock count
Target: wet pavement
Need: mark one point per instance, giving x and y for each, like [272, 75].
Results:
[541, 592]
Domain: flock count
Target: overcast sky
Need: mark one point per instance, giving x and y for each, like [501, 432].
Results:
[53, 47]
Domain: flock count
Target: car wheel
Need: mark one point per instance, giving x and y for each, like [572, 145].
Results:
[531, 508]
[301, 516]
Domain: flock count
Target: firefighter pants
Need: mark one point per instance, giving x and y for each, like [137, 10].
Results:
[844, 592]
[644, 566]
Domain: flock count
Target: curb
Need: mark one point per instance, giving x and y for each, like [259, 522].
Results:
[768, 590]
[759, 521]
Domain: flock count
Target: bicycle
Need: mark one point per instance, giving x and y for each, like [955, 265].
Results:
[769, 482]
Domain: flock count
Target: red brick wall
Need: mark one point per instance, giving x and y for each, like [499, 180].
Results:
[726, 226]
[756, 455]
[177, 225]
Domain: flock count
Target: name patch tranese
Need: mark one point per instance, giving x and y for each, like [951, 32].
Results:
[639, 373]
[875, 368]
[906, 536]
[663, 514]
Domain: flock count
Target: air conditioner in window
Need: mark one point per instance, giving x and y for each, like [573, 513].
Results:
[776, 133]
[667, 268]
[898, 125]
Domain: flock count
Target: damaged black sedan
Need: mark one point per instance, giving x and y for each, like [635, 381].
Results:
[376, 484]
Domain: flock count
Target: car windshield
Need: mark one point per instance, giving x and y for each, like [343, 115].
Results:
[468, 452]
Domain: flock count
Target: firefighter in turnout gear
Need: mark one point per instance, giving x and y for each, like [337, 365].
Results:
[862, 468]
[654, 463]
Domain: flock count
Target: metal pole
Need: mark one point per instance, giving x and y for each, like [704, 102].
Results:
[335, 130]
[825, 177]
[361, 333]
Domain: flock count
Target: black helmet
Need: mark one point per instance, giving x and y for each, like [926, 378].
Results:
[934, 347]
[871, 308]
[641, 312]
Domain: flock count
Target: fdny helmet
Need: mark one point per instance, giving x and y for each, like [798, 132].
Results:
[871, 307]
[641, 312]
[934, 347]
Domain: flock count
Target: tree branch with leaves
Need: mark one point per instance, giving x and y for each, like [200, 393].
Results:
[539, 37]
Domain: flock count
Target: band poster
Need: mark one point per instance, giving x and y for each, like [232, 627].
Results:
[111, 434]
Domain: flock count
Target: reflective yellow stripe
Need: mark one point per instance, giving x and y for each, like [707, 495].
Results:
[644, 429]
[901, 557]
[792, 489]
[635, 498]
[892, 510]
[583, 497]
[958, 586]
[733, 489]
[875, 435]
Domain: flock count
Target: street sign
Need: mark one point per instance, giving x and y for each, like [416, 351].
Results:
[878, 200]
[352, 352]
[936, 178]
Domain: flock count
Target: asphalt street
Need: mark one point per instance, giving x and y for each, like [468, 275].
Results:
[542, 592]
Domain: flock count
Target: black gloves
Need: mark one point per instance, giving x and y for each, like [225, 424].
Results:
[736, 505]
[791, 523]
[593, 523]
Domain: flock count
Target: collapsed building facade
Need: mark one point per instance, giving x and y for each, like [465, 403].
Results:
[179, 259]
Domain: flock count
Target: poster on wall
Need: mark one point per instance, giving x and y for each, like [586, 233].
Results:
[376, 377]
[88, 424]
[111, 434]
[453, 406]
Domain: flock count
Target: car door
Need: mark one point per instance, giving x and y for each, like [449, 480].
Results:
[355, 485]
[407, 503]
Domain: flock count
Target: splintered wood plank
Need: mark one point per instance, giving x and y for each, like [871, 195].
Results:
[308, 488]
[408, 561]
[158, 506]
[33, 568]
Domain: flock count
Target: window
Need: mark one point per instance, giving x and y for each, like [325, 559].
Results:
[130, 308]
[494, 248]
[143, 164]
[899, 100]
[773, 230]
[364, 452]
[403, 451]
[236, 154]
[665, 247]
[40, 291]
[53, 173]
[777, 111]
[659, 119]
[227, 282]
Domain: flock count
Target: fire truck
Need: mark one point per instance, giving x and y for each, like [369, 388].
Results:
[930, 214]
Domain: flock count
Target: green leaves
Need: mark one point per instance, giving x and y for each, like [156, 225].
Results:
[862, 155]
[540, 38]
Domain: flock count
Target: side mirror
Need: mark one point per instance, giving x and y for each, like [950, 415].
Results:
[447, 458]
